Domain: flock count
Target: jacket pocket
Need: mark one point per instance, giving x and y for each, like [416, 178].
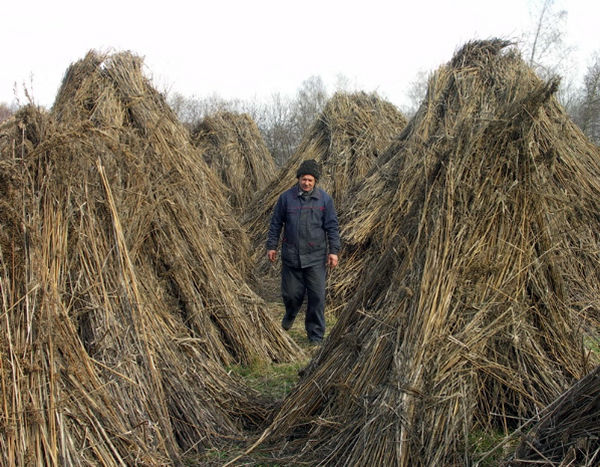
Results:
[289, 252]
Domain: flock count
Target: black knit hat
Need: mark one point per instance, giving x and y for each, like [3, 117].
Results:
[309, 167]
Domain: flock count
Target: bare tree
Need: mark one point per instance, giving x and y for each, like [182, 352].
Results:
[282, 121]
[275, 122]
[191, 110]
[342, 82]
[545, 47]
[587, 115]
[310, 101]
[416, 92]
[6, 111]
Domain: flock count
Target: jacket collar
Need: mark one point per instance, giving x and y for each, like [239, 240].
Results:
[315, 192]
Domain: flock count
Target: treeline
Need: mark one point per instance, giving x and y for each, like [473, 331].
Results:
[283, 120]
[585, 110]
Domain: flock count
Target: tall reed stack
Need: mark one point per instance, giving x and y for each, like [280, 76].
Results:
[478, 233]
[122, 297]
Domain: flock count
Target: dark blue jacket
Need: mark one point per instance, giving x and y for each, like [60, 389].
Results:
[310, 228]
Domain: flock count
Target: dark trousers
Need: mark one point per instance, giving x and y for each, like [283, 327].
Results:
[295, 282]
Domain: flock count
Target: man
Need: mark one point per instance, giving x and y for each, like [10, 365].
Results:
[311, 242]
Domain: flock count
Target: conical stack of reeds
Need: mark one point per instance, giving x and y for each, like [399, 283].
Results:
[122, 298]
[346, 139]
[233, 147]
[478, 232]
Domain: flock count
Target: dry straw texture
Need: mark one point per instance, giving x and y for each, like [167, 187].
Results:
[567, 432]
[122, 298]
[233, 147]
[479, 231]
[346, 139]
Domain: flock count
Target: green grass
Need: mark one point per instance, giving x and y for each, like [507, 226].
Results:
[273, 381]
[592, 343]
[480, 442]
[276, 380]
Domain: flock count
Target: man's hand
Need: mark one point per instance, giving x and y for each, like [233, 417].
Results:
[332, 260]
[272, 255]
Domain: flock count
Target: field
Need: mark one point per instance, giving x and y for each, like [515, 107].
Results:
[141, 321]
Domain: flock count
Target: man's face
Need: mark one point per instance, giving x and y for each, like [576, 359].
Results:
[307, 182]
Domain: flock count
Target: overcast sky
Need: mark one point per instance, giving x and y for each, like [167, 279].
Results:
[250, 49]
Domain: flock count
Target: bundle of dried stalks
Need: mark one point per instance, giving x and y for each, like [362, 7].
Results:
[346, 139]
[233, 147]
[481, 237]
[567, 432]
[121, 293]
